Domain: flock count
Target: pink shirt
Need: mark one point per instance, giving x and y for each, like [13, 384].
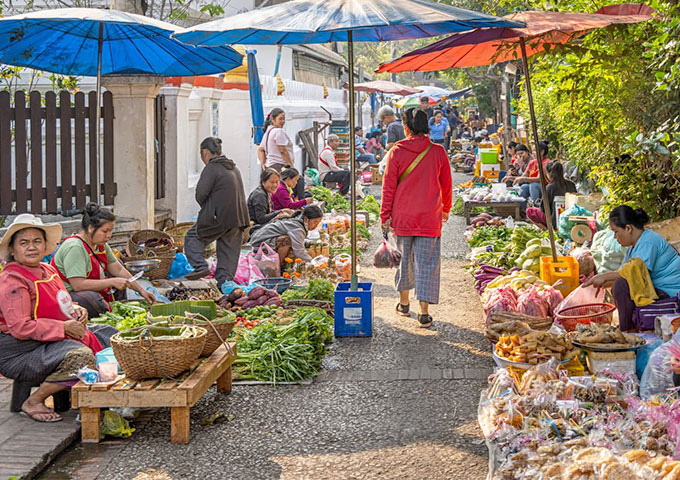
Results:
[282, 198]
[17, 303]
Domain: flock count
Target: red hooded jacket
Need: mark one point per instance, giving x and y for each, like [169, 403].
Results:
[415, 205]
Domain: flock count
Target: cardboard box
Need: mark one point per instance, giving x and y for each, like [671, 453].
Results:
[376, 178]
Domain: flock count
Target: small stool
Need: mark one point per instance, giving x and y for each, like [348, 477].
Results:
[22, 390]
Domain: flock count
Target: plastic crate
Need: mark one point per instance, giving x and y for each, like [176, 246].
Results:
[565, 269]
[354, 310]
[488, 155]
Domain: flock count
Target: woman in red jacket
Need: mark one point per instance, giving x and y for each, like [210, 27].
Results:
[416, 200]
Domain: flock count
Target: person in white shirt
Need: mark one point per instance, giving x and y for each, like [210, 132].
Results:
[329, 170]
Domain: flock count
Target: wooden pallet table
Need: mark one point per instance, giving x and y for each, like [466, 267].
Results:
[514, 206]
[180, 395]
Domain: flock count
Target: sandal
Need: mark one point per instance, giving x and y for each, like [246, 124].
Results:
[425, 320]
[35, 416]
[402, 310]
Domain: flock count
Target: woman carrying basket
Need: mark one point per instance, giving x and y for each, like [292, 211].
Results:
[417, 195]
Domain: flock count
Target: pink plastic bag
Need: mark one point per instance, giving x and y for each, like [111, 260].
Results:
[247, 271]
[387, 255]
[581, 296]
[267, 261]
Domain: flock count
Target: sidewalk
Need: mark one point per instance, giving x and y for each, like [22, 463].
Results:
[26, 446]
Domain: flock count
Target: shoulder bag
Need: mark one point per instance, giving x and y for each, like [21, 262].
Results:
[414, 163]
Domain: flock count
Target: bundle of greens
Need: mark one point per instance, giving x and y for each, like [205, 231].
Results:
[371, 205]
[287, 352]
[318, 289]
[497, 237]
[124, 315]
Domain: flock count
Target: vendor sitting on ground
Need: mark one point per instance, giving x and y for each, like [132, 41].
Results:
[361, 153]
[284, 197]
[260, 206]
[289, 233]
[558, 187]
[329, 170]
[89, 268]
[530, 181]
[661, 259]
[374, 145]
[44, 338]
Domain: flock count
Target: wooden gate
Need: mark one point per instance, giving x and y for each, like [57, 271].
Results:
[48, 150]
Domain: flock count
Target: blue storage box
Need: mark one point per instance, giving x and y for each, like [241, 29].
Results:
[354, 310]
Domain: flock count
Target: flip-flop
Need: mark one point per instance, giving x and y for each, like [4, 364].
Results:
[425, 320]
[35, 419]
[402, 310]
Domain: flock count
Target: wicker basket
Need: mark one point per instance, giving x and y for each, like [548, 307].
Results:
[213, 341]
[177, 232]
[570, 317]
[142, 236]
[170, 356]
[163, 269]
[535, 323]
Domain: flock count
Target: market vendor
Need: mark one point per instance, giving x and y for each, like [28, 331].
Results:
[329, 170]
[558, 187]
[289, 233]
[439, 128]
[661, 259]
[260, 207]
[89, 268]
[284, 196]
[44, 337]
[530, 180]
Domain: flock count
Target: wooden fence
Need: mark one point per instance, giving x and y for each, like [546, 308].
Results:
[48, 152]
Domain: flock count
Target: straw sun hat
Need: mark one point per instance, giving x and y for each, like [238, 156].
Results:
[26, 220]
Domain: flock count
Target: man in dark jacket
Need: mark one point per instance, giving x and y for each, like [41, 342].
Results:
[223, 215]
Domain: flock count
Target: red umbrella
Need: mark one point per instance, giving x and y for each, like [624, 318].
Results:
[496, 45]
[384, 86]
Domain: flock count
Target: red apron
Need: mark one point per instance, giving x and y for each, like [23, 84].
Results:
[99, 263]
[324, 161]
[52, 300]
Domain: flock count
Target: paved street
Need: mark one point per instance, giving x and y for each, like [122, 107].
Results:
[401, 404]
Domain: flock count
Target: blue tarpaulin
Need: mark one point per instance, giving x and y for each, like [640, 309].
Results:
[255, 89]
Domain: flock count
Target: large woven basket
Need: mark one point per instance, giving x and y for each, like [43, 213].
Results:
[213, 341]
[178, 232]
[163, 269]
[142, 236]
[157, 358]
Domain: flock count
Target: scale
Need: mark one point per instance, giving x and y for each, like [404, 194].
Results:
[581, 232]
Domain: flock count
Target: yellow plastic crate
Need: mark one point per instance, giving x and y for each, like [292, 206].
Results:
[565, 269]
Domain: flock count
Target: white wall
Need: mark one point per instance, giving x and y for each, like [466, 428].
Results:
[194, 113]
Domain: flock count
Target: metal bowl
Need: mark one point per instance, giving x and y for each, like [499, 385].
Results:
[137, 266]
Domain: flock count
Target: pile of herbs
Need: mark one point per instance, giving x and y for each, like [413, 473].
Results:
[124, 315]
[318, 289]
[287, 352]
[497, 237]
[332, 201]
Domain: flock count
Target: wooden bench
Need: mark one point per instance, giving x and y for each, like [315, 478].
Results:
[514, 207]
[180, 395]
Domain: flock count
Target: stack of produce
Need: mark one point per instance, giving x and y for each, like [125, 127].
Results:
[285, 352]
[530, 258]
[521, 292]
[596, 335]
[253, 316]
[499, 323]
[318, 289]
[370, 205]
[332, 201]
[485, 219]
[497, 237]
[124, 315]
[238, 299]
[534, 347]
[521, 235]
[485, 274]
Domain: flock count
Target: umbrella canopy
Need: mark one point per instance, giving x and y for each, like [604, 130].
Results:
[486, 47]
[322, 21]
[66, 41]
[384, 86]
[255, 89]
[414, 102]
[436, 92]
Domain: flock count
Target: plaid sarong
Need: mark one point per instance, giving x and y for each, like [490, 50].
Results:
[420, 267]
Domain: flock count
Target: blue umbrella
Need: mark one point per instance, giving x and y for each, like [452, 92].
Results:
[89, 41]
[323, 21]
[256, 108]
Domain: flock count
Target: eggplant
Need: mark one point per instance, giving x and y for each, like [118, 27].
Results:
[241, 301]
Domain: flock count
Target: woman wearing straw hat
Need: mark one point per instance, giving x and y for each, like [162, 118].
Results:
[44, 337]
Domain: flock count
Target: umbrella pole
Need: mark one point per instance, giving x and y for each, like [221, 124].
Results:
[94, 189]
[534, 129]
[352, 162]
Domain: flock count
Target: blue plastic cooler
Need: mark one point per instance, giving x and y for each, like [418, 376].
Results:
[354, 310]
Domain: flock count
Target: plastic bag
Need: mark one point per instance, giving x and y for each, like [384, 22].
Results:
[246, 271]
[343, 266]
[586, 263]
[607, 251]
[387, 255]
[227, 287]
[180, 266]
[312, 177]
[581, 296]
[657, 377]
[565, 225]
[267, 261]
[114, 425]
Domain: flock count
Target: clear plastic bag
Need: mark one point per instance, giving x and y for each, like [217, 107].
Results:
[267, 261]
[658, 377]
[387, 255]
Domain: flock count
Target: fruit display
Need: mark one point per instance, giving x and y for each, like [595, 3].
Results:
[530, 258]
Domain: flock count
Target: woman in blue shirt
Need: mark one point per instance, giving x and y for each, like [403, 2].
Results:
[439, 127]
[661, 259]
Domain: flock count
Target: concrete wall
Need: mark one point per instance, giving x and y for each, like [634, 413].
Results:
[194, 113]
